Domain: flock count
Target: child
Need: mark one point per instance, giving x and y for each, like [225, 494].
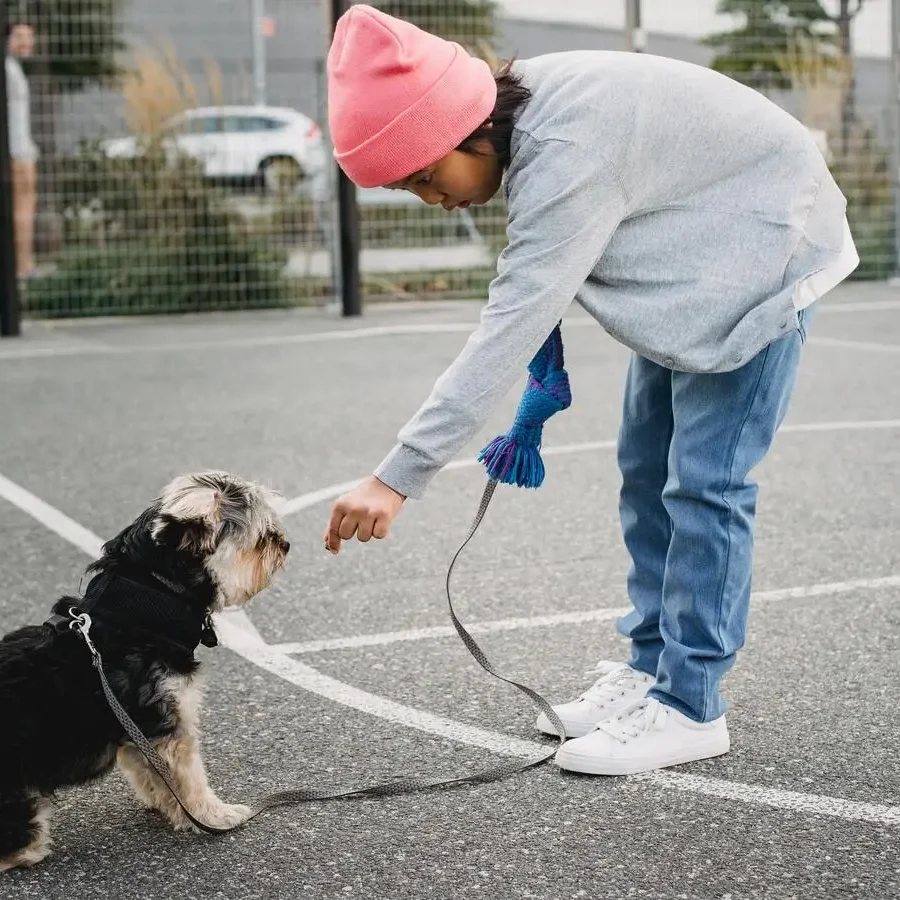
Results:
[697, 223]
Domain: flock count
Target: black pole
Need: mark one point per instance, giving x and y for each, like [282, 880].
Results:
[9, 286]
[348, 218]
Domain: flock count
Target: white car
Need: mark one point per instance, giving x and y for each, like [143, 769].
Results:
[275, 145]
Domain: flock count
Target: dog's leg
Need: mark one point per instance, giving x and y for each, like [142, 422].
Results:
[24, 831]
[148, 787]
[181, 751]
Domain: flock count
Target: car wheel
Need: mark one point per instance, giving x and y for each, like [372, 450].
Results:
[280, 175]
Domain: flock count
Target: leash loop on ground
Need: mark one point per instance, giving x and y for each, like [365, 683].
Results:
[81, 622]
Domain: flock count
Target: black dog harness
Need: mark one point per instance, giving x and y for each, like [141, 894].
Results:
[151, 604]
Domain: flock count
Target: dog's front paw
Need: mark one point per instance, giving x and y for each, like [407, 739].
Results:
[228, 815]
[217, 815]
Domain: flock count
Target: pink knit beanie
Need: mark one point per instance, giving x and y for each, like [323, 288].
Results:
[399, 98]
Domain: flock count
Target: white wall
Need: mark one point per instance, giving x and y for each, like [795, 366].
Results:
[693, 18]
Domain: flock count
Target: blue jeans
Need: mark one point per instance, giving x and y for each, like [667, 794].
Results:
[687, 505]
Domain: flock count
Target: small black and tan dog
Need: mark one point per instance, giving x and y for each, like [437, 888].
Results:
[210, 542]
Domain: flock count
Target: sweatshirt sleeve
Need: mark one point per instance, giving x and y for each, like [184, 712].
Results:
[563, 206]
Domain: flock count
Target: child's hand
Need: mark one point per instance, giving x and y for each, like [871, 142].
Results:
[367, 511]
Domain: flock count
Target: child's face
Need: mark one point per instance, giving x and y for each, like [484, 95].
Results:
[455, 181]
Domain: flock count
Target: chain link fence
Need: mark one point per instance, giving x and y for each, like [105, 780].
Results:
[184, 164]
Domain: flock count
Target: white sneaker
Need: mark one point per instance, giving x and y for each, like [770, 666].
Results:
[617, 688]
[645, 737]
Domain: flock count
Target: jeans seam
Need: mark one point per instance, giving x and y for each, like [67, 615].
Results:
[670, 431]
[721, 591]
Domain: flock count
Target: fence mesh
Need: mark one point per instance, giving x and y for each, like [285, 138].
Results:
[184, 166]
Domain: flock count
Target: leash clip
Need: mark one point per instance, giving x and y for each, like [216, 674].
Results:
[81, 622]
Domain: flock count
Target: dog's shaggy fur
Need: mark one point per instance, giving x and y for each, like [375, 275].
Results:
[210, 541]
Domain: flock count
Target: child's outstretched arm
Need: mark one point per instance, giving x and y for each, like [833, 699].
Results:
[564, 205]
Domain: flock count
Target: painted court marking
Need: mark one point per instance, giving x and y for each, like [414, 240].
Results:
[238, 634]
[305, 501]
[854, 345]
[580, 617]
[349, 334]
[315, 337]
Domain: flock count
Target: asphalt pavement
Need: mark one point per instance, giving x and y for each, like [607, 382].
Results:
[348, 673]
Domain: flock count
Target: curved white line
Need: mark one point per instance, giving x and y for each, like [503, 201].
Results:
[307, 678]
[238, 634]
[297, 673]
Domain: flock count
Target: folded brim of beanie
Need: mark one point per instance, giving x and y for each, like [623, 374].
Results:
[459, 101]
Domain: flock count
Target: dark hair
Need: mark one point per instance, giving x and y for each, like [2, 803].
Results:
[497, 130]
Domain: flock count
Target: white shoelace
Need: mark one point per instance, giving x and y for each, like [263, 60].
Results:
[637, 719]
[614, 681]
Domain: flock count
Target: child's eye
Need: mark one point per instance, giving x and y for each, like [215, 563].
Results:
[425, 179]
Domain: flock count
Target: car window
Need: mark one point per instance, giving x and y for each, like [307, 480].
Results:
[245, 124]
[202, 125]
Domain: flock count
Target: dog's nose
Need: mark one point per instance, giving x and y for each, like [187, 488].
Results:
[286, 546]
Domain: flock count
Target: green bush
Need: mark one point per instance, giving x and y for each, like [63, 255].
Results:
[863, 173]
[151, 235]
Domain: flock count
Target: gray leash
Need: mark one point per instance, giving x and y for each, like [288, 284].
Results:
[81, 622]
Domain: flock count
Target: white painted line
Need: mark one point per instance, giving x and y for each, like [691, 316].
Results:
[854, 345]
[240, 619]
[865, 425]
[829, 589]
[315, 337]
[861, 306]
[442, 631]
[58, 522]
[318, 337]
[570, 618]
[308, 678]
[304, 501]
[27, 352]
[303, 676]
[793, 801]
[273, 340]
[238, 634]
[288, 507]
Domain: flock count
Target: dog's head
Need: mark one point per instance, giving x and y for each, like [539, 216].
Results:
[228, 527]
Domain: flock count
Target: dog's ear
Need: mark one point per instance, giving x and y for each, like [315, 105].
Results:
[195, 535]
[198, 536]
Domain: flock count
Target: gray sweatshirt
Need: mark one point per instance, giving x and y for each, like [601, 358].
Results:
[676, 206]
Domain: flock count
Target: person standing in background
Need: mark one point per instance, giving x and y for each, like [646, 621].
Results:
[22, 149]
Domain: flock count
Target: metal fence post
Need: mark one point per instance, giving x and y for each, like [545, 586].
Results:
[634, 30]
[348, 218]
[257, 20]
[9, 287]
[895, 126]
